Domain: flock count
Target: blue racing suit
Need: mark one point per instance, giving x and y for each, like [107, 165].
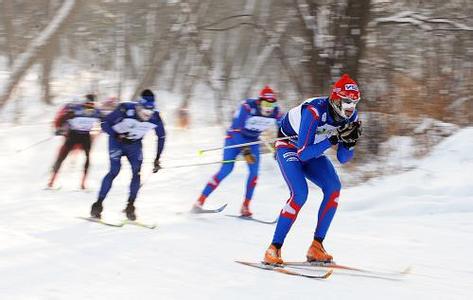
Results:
[310, 124]
[124, 122]
[247, 125]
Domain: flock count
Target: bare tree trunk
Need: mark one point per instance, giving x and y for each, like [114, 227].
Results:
[47, 64]
[271, 44]
[7, 15]
[357, 16]
[24, 61]
[158, 56]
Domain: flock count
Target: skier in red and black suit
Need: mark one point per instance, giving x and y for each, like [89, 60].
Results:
[75, 121]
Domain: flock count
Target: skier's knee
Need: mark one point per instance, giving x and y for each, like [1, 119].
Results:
[334, 185]
[226, 169]
[291, 209]
[114, 172]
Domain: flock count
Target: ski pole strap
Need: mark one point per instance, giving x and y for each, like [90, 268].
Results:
[247, 144]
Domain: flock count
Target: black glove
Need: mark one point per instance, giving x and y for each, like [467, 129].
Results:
[334, 139]
[350, 134]
[157, 166]
[249, 157]
[61, 131]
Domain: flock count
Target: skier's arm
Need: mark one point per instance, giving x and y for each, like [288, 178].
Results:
[241, 116]
[110, 119]
[279, 117]
[344, 154]
[161, 137]
[308, 128]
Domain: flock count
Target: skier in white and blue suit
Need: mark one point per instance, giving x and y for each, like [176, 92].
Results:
[318, 124]
[126, 126]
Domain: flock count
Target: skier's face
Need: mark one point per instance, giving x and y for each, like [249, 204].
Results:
[345, 106]
[144, 113]
[267, 108]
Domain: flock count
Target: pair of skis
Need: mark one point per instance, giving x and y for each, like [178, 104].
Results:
[196, 210]
[119, 224]
[320, 270]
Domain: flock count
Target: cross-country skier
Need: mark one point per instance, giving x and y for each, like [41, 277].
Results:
[253, 117]
[126, 126]
[319, 124]
[75, 121]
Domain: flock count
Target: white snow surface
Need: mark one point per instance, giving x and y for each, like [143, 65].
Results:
[422, 218]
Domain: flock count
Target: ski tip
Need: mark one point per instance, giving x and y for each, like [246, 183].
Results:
[200, 152]
[222, 207]
[328, 274]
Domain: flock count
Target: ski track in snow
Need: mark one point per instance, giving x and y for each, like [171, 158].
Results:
[422, 218]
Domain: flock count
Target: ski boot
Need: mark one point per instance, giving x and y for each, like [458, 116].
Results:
[51, 180]
[245, 211]
[197, 207]
[130, 212]
[317, 253]
[82, 184]
[96, 210]
[272, 256]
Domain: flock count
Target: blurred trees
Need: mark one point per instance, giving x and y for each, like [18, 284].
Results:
[413, 59]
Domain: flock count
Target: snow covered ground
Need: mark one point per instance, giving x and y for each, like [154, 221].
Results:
[422, 218]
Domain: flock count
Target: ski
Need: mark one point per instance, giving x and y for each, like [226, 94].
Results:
[100, 221]
[196, 210]
[281, 269]
[253, 219]
[52, 188]
[394, 275]
[139, 224]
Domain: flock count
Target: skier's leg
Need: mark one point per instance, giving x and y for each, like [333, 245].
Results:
[291, 169]
[135, 157]
[134, 154]
[115, 153]
[251, 182]
[86, 145]
[225, 169]
[322, 173]
[63, 152]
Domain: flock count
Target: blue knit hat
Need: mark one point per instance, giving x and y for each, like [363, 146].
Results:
[147, 99]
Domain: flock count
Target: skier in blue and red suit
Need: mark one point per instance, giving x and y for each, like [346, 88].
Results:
[126, 126]
[253, 117]
[319, 123]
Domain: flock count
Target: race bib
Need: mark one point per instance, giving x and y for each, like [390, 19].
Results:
[82, 123]
[324, 132]
[134, 128]
[258, 123]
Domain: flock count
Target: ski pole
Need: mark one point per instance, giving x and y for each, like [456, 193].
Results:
[146, 178]
[246, 144]
[35, 144]
[187, 166]
[203, 164]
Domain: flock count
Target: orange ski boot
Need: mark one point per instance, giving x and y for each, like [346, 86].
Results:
[245, 209]
[317, 253]
[197, 207]
[272, 256]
